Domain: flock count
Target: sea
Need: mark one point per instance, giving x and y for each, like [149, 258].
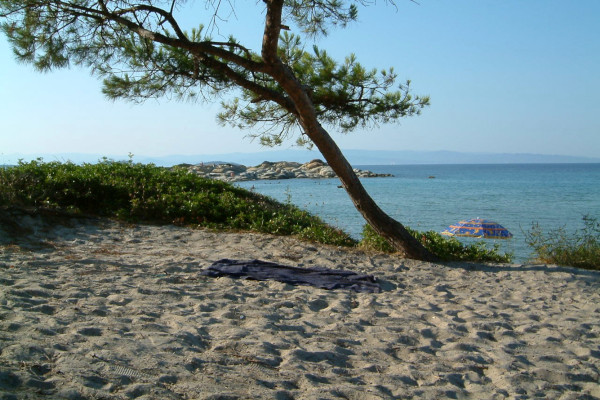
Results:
[433, 197]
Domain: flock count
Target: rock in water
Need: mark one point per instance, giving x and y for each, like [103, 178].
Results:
[229, 172]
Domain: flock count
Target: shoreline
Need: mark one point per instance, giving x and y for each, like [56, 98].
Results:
[93, 308]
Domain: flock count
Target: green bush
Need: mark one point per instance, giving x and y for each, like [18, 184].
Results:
[371, 240]
[447, 249]
[580, 249]
[147, 193]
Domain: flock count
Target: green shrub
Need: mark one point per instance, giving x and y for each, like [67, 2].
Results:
[447, 249]
[580, 249]
[371, 240]
[146, 193]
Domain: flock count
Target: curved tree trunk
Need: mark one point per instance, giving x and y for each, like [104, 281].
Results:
[382, 223]
[304, 110]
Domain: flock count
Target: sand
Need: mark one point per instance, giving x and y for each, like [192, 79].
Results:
[95, 309]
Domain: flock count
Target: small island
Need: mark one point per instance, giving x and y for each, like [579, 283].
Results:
[315, 169]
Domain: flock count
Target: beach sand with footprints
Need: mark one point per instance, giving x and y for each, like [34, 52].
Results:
[96, 309]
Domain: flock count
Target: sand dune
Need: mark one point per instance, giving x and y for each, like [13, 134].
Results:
[94, 309]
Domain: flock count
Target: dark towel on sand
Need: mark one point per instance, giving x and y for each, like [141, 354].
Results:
[324, 278]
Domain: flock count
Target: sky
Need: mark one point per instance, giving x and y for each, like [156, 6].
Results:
[504, 76]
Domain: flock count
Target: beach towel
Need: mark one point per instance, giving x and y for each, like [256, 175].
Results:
[320, 277]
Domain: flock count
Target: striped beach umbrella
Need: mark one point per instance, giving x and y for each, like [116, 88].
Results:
[480, 228]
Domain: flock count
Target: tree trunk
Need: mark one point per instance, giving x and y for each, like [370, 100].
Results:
[382, 223]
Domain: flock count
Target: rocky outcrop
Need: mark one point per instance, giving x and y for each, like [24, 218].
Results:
[315, 169]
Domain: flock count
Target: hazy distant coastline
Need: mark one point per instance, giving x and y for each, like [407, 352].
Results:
[356, 157]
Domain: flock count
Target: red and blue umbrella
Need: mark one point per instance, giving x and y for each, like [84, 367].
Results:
[480, 228]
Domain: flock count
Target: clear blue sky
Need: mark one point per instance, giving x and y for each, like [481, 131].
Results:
[503, 75]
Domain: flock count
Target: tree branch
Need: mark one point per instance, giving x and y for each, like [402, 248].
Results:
[167, 16]
[261, 91]
[180, 42]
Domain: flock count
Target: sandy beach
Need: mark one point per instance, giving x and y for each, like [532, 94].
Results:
[96, 309]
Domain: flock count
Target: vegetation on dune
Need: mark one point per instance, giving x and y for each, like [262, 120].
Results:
[580, 249]
[147, 193]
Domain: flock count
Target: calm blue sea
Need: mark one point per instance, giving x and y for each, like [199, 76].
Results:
[431, 197]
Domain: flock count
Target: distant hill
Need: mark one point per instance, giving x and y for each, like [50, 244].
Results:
[452, 157]
[356, 157]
